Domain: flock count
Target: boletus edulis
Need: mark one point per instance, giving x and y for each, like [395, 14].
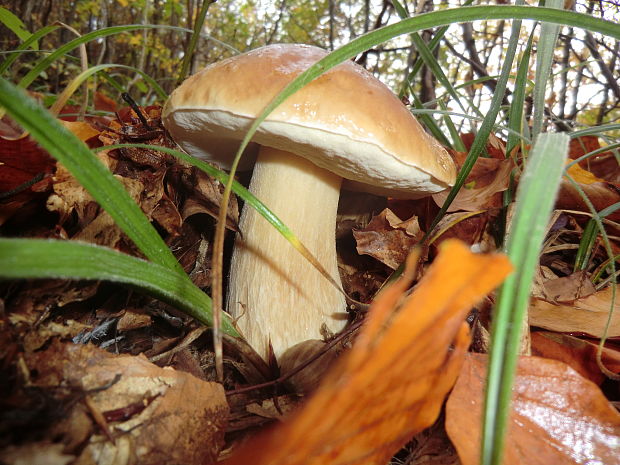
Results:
[345, 129]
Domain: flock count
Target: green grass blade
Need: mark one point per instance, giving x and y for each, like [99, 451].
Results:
[535, 200]
[429, 60]
[25, 45]
[515, 116]
[480, 141]
[17, 27]
[597, 130]
[586, 244]
[88, 170]
[98, 34]
[544, 61]
[66, 48]
[457, 143]
[40, 258]
[605, 148]
[193, 41]
[84, 75]
[432, 45]
[425, 116]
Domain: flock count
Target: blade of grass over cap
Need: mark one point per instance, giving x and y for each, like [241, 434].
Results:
[536, 195]
[63, 145]
[40, 258]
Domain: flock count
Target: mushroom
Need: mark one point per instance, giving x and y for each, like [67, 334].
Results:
[344, 125]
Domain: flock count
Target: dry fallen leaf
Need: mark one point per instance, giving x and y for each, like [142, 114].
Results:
[39, 453]
[388, 238]
[558, 417]
[392, 384]
[587, 315]
[567, 288]
[483, 186]
[21, 160]
[155, 415]
[205, 195]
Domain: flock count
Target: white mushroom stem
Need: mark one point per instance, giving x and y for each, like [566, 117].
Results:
[275, 293]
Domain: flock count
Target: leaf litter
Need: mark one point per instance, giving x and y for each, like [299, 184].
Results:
[363, 405]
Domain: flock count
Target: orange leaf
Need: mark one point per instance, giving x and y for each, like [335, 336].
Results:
[558, 417]
[81, 129]
[393, 382]
[582, 176]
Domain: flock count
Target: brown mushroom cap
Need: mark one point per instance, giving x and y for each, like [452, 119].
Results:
[345, 121]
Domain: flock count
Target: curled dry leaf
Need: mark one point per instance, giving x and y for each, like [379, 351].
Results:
[155, 415]
[388, 238]
[205, 196]
[557, 417]
[392, 383]
[307, 380]
[68, 195]
[483, 187]
[587, 315]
